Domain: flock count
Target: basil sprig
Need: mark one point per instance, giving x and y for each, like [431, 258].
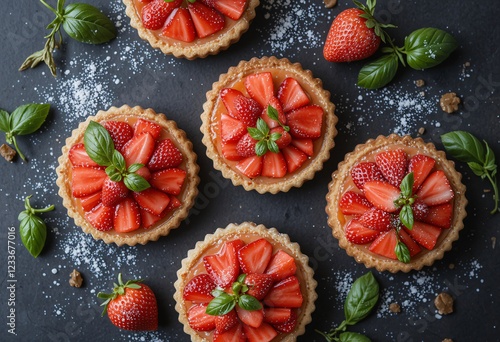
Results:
[224, 302]
[24, 120]
[480, 158]
[360, 301]
[32, 228]
[82, 22]
[101, 149]
[266, 141]
[405, 201]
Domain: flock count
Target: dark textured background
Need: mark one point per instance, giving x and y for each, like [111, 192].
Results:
[129, 71]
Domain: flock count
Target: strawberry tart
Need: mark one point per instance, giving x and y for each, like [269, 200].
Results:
[245, 283]
[396, 203]
[268, 125]
[191, 28]
[128, 175]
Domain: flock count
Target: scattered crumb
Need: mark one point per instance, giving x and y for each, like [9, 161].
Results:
[7, 152]
[451, 266]
[422, 93]
[421, 130]
[75, 279]
[444, 303]
[493, 242]
[487, 190]
[420, 83]
[330, 3]
[467, 64]
[447, 340]
[449, 102]
[395, 308]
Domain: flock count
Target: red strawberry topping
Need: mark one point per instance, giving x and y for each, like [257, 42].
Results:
[169, 180]
[79, 157]
[246, 146]
[87, 180]
[382, 195]
[199, 289]
[353, 203]
[180, 26]
[127, 216]
[255, 256]
[285, 294]
[376, 219]
[225, 323]
[421, 166]
[436, 189]
[251, 166]
[101, 217]
[223, 267]
[306, 122]
[166, 155]
[206, 20]
[260, 87]
[291, 95]
[120, 132]
[156, 13]
[113, 193]
[198, 318]
[359, 234]
[365, 172]
[393, 165]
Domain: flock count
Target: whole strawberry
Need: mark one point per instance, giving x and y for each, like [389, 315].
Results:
[131, 306]
[352, 36]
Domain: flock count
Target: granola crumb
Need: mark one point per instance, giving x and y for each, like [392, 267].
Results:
[421, 131]
[420, 83]
[75, 279]
[447, 340]
[493, 242]
[451, 266]
[395, 308]
[449, 102]
[7, 152]
[444, 303]
[330, 3]
[486, 190]
[467, 64]
[422, 93]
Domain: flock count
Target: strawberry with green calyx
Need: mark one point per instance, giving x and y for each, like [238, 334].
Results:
[131, 306]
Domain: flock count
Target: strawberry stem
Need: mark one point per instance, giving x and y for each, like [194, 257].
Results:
[118, 290]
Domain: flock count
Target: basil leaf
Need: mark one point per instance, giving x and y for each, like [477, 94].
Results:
[87, 24]
[272, 113]
[261, 148]
[402, 252]
[464, 147]
[406, 216]
[477, 169]
[262, 126]
[236, 288]
[361, 298]
[378, 73]
[428, 47]
[249, 303]
[28, 118]
[241, 278]
[135, 167]
[255, 133]
[113, 173]
[217, 292]
[353, 337]
[135, 182]
[221, 305]
[489, 159]
[33, 233]
[4, 121]
[272, 146]
[98, 144]
[275, 136]
[23, 214]
[406, 185]
[119, 161]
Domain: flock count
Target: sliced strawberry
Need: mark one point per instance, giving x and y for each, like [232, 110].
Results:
[421, 166]
[277, 315]
[231, 129]
[198, 319]
[199, 289]
[228, 97]
[274, 102]
[420, 210]
[226, 322]
[385, 245]
[285, 138]
[120, 131]
[294, 158]
[149, 219]
[382, 195]
[180, 26]
[258, 284]
[436, 189]
[425, 234]
[166, 155]
[101, 217]
[142, 126]
[248, 110]
[260, 87]
[365, 172]
[285, 294]
[173, 204]
[169, 180]
[113, 192]
[440, 215]
[229, 151]
[359, 234]
[264, 333]
[291, 95]
[156, 13]
[251, 318]
[376, 219]
[288, 326]
[235, 334]
[274, 165]
[251, 166]
[255, 256]
[139, 149]
[306, 122]
[206, 20]
[231, 8]
[90, 202]
[305, 145]
[223, 267]
[281, 266]
[393, 165]
[353, 203]
[413, 247]
[246, 146]
[86, 181]
[127, 216]
[78, 156]
[153, 201]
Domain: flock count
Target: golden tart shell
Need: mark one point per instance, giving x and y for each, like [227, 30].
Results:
[360, 252]
[200, 48]
[233, 231]
[322, 98]
[163, 227]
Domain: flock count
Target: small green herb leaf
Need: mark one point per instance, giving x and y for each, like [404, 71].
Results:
[98, 144]
[113, 173]
[241, 278]
[402, 252]
[272, 146]
[353, 337]
[119, 161]
[135, 167]
[272, 113]
[87, 24]
[428, 47]
[4, 121]
[249, 303]
[33, 233]
[261, 148]
[477, 169]
[361, 298]
[378, 73]
[406, 216]
[28, 118]
[255, 133]
[464, 146]
[407, 185]
[217, 292]
[221, 305]
[275, 136]
[135, 182]
[262, 126]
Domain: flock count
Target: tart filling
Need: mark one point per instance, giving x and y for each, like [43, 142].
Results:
[245, 282]
[144, 192]
[396, 203]
[268, 125]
